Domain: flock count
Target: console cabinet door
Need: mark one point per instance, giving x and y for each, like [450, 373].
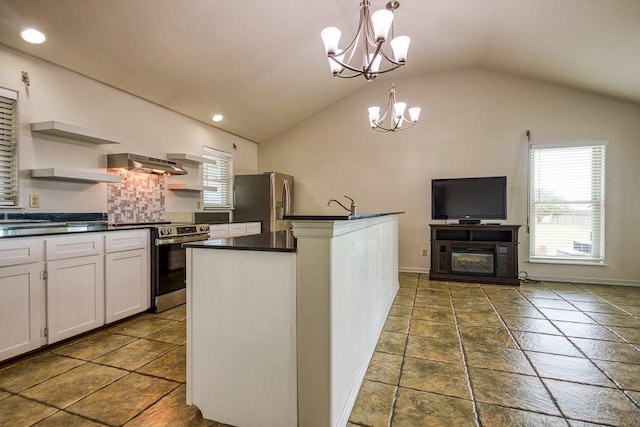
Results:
[127, 284]
[21, 292]
[75, 296]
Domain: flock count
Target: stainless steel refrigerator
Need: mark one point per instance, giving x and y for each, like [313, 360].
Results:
[263, 197]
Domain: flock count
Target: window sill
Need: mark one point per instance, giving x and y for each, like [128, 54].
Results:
[567, 262]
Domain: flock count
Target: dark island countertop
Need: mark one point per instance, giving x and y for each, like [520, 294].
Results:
[338, 217]
[46, 228]
[276, 241]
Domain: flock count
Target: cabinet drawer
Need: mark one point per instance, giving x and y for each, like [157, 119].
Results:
[253, 228]
[118, 241]
[73, 246]
[20, 251]
[237, 230]
[218, 231]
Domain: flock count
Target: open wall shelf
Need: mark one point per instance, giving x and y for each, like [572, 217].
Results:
[73, 175]
[77, 133]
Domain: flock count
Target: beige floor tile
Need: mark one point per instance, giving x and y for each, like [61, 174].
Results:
[437, 377]
[141, 326]
[94, 346]
[608, 350]
[417, 408]
[33, 370]
[443, 315]
[529, 324]
[16, 411]
[626, 375]
[171, 366]
[499, 359]
[499, 416]
[427, 328]
[171, 410]
[4, 394]
[65, 419]
[391, 342]
[174, 334]
[134, 355]
[594, 404]
[74, 384]
[434, 349]
[566, 368]
[511, 390]
[469, 318]
[122, 400]
[566, 315]
[176, 313]
[373, 405]
[544, 343]
[401, 311]
[518, 310]
[384, 368]
[585, 330]
[474, 335]
[631, 335]
[396, 324]
[403, 300]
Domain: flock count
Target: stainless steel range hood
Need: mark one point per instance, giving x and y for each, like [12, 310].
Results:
[137, 163]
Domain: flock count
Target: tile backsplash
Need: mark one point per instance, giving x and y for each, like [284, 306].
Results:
[139, 197]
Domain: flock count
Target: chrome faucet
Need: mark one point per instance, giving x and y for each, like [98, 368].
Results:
[351, 210]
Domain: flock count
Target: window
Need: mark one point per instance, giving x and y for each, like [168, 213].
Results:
[567, 202]
[8, 157]
[217, 174]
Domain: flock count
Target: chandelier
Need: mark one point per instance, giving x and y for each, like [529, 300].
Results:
[371, 35]
[395, 111]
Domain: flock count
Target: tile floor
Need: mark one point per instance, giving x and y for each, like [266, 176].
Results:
[450, 354]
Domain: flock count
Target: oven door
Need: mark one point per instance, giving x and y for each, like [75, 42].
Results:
[171, 268]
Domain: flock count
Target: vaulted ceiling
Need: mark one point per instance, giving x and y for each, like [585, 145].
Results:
[261, 63]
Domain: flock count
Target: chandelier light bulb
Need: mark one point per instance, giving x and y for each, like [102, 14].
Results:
[414, 114]
[331, 38]
[381, 21]
[336, 65]
[374, 115]
[217, 117]
[400, 48]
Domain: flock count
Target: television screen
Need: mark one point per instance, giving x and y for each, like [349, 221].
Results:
[473, 198]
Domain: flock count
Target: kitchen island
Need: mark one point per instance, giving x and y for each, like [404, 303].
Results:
[281, 327]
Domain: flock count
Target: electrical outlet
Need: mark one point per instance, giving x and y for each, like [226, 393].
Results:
[425, 252]
[198, 204]
[34, 200]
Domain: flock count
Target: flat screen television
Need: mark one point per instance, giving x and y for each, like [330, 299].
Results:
[469, 198]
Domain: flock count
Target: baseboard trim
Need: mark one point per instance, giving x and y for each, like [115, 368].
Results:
[586, 280]
[413, 270]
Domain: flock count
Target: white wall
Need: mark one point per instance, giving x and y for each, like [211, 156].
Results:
[144, 128]
[473, 124]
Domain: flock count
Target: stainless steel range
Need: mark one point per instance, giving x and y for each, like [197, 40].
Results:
[169, 263]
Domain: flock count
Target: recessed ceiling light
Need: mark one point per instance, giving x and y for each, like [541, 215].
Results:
[32, 35]
[217, 117]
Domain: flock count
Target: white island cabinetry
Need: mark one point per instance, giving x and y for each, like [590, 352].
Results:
[127, 289]
[21, 296]
[290, 337]
[75, 284]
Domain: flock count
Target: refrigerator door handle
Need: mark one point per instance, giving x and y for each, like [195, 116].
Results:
[287, 196]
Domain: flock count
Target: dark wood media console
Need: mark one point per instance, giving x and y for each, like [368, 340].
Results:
[475, 253]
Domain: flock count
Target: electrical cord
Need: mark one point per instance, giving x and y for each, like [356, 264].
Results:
[523, 276]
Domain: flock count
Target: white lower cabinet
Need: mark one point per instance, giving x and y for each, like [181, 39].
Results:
[21, 306]
[127, 284]
[75, 285]
[218, 231]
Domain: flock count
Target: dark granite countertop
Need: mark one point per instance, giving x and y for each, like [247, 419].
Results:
[31, 229]
[277, 241]
[337, 217]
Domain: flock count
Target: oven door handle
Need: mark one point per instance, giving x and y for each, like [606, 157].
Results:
[178, 239]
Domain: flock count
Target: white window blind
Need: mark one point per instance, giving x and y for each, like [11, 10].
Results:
[8, 157]
[217, 176]
[567, 202]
